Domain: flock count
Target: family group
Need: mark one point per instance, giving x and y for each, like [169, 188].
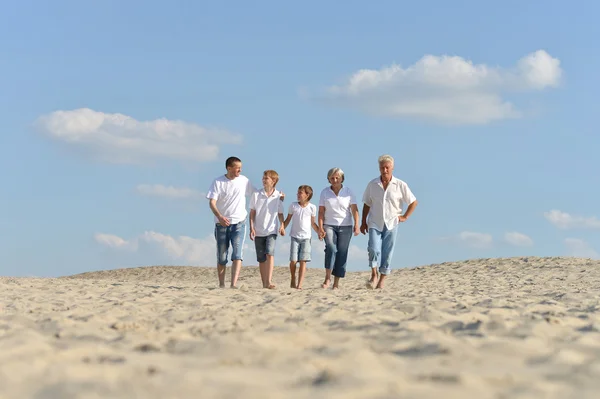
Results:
[387, 202]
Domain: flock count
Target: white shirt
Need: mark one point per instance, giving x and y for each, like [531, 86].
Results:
[231, 197]
[302, 220]
[267, 209]
[386, 205]
[337, 207]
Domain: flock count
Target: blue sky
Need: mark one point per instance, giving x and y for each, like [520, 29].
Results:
[117, 115]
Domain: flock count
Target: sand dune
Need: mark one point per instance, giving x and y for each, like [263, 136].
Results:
[487, 328]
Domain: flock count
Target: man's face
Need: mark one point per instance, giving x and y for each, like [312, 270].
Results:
[235, 169]
[386, 170]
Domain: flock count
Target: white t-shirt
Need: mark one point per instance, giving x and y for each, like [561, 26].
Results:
[231, 197]
[267, 211]
[302, 220]
[337, 207]
[386, 205]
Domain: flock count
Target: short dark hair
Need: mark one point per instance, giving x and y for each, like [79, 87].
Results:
[307, 189]
[231, 160]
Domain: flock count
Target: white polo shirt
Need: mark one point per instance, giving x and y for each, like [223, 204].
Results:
[267, 210]
[337, 207]
[301, 220]
[386, 205]
[231, 197]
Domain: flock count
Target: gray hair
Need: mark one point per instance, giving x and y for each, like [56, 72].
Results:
[333, 171]
[385, 158]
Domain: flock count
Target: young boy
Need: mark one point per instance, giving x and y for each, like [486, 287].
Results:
[266, 207]
[302, 216]
[227, 200]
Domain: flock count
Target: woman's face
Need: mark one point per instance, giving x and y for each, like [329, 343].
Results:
[335, 179]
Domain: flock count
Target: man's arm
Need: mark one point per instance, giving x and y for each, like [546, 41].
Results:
[409, 210]
[321, 220]
[223, 221]
[252, 218]
[365, 212]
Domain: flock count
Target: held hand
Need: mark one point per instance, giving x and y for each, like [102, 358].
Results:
[356, 230]
[364, 228]
[282, 231]
[252, 233]
[223, 221]
[402, 218]
[282, 196]
[321, 233]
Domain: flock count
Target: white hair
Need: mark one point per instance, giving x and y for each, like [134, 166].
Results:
[333, 171]
[385, 158]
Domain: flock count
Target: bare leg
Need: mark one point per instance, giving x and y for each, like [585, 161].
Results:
[269, 272]
[293, 273]
[374, 278]
[236, 266]
[301, 274]
[380, 283]
[262, 266]
[336, 282]
[221, 274]
[327, 278]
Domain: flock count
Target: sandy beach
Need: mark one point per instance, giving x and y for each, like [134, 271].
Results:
[486, 328]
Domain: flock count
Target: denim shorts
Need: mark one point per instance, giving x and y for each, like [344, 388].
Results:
[300, 249]
[264, 246]
[233, 234]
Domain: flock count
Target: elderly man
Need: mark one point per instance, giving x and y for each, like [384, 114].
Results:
[382, 212]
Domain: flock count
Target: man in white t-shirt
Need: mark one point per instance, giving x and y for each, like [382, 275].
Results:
[383, 201]
[227, 200]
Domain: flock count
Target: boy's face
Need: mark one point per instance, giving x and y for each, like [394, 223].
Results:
[267, 181]
[235, 169]
[302, 196]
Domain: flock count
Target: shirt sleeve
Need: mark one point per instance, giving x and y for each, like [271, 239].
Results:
[314, 210]
[279, 205]
[322, 198]
[253, 201]
[352, 197]
[291, 209]
[407, 196]
[367, 196]
[213, 191]
[250, 188]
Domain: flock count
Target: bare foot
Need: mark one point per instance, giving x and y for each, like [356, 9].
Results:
[299, 288]
[221, 285]
[293, 284]
[236, 287]
[370, 284]
[335, 287]
[271, 286]
[326, 284]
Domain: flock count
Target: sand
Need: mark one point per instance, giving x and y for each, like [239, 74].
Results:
[486, 328]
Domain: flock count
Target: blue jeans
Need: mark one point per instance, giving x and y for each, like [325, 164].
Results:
[300, 249]
[234, 234]
[264, 246]
[337, 242]
[381, 248]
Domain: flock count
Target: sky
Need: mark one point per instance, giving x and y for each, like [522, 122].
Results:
[117, 115]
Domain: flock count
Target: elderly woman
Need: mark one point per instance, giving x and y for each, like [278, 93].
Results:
[338, 220]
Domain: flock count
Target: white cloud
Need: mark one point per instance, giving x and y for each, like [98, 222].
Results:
[580, 248]
[113, 241]
[448, 89]
[563, 220]
[474, 239]
[518, 239]
[170, 192]
[122, 139]
[191, 250]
